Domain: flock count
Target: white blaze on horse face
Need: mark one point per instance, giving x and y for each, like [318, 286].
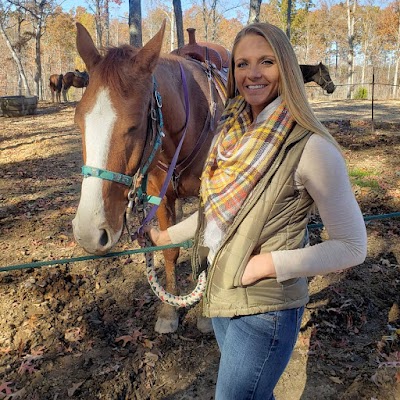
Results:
[99, 124]
[90, 221]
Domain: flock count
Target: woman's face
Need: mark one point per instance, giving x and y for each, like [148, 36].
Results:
[256, 72]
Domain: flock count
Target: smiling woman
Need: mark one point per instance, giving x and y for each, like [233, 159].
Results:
[271, 163]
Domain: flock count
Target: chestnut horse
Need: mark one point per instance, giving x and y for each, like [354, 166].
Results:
[118, 116]
[76, 79]
[319, 74]
[56, 83]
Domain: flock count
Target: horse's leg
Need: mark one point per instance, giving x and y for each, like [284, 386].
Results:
[168, 318]
[52, 95]
[65, 95]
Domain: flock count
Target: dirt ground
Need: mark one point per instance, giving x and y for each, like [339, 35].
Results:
[84, 330]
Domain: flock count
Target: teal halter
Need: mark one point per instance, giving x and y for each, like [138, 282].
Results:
[156, 116]
[107, 175]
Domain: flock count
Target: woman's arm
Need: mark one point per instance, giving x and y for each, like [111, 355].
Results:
[323, 172]
[175, 234]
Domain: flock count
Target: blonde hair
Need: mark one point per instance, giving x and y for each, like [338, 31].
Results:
[291, 84]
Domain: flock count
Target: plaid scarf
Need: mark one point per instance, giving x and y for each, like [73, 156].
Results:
[241, 155]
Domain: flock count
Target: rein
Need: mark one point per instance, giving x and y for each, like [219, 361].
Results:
[138, 198]
[215, 82]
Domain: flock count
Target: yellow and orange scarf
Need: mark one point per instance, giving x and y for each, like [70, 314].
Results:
[240, 156]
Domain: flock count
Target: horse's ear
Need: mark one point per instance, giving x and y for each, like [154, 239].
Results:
[86, 48]
[149, 54]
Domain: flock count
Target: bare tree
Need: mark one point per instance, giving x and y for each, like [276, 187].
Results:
[210, 20]
[99, 25]
[351, 10]
[15, 51]
[101, 11]
[135, 23]
[397, 54]
[254, 11]
[107, 22]
[38, 10]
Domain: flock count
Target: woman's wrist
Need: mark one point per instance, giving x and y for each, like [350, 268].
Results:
[259, 267]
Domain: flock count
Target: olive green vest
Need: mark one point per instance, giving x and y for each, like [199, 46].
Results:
[273, 217]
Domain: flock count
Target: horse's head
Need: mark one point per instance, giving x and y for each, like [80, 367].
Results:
[112, 117]
[324, 79]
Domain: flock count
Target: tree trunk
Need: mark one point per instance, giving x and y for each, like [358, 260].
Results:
[214, 20]
[205, 20]
[351, 9]
[99, 28]
[16, 59]
[38, 60]
[396, 70]
[178, 23]
[254, 11]
[107, 22]
[288, 18]
[135, 23]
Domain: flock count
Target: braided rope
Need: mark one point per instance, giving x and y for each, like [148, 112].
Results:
[174, 300]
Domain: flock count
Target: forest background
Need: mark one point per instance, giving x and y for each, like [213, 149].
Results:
[359, 42]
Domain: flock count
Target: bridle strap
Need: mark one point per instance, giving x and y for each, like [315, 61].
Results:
[174, 160]
[107, 175]
[325, 82]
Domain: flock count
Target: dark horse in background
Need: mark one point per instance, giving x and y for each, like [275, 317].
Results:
[118, 117]
[76, 79]
[56, 83]
[319, 74]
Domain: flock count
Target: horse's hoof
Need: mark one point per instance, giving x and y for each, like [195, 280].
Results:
[166, 325]
[204, 325]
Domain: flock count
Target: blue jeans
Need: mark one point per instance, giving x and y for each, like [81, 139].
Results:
[255, 350]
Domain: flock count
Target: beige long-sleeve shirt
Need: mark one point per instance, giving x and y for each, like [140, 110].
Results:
[322, 172]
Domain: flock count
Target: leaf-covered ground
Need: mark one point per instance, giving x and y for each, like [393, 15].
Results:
[84, 330]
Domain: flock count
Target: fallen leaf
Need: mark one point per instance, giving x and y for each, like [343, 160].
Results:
[126, 339]
[20, 394]
[5, 387]
[336, 380]
[73, 334]
[26, 366]
[71, 391]
[5, 350]
[133, 338]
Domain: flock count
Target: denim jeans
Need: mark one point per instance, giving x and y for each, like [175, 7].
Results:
[255, 350]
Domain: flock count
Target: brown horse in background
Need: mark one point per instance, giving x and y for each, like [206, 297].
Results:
[119, 118]
[56, 83]
[76, 79]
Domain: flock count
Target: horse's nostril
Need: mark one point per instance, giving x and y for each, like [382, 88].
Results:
[104, 238]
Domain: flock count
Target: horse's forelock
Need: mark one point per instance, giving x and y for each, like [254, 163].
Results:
[117, 68]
